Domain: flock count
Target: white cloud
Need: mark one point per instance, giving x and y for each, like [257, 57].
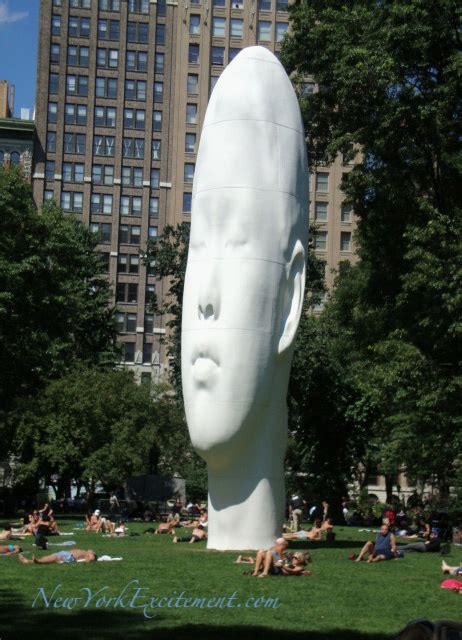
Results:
[6, 16]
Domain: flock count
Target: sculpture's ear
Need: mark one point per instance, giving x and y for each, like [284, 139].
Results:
[293, 298]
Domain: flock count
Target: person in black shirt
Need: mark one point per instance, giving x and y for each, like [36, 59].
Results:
[432, 544]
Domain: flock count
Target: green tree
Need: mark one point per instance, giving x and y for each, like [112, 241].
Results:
[90, 426]
[54, 302]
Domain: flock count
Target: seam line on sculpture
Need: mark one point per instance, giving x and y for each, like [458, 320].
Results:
[240, 258]
[289, 193]
[276, 124]
[210, 328]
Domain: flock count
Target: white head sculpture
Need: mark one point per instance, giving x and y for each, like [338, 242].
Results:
[244, 293]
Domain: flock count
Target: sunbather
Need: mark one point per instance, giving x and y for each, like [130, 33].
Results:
[61, 557]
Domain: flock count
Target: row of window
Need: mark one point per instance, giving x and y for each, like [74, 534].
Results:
[134, 6]
[321, 212]
[105, 146]
[15, 157]
[79, 27]
[102, 203]
[263, 5]
[129, 355]
[127, 292]
[217, 57]
[320, 242]
[77, 85]
[128, 234]
[127, 322]
[236, 28]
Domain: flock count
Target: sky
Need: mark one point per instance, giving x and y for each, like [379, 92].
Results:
[18, 49]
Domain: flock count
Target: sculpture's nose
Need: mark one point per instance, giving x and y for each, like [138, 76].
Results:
[209, 293]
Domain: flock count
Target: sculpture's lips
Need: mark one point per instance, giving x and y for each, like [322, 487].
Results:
[204, 369]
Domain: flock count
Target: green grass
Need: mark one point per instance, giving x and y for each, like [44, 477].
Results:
[342, 599]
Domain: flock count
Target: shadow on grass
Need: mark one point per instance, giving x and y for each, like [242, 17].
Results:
[17, 619]
[322, 544]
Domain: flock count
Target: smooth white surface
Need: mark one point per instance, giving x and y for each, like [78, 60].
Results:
[244, 293]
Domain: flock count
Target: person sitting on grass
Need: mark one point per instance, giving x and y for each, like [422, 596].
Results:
[62, 557]
[198, 534]
[94, 522]
[9, 549]
[277, 550]
[6, 533]
[383, 549]
[265, 565]
[453, 571]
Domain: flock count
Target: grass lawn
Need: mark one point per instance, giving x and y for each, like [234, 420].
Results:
[342, 599]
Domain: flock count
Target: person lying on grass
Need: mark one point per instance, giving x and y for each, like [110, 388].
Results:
[453, 571]
[166, 527]
[265, 565]
[311, 534]
[62, 557]
[197, 535]
[278, 549]
[9, 549]
[6, 533]
[383, 549]
[433, 544]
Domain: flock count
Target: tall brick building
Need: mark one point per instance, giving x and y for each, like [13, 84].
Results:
[122, 90]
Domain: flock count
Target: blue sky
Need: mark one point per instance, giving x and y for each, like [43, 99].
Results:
[18, 49]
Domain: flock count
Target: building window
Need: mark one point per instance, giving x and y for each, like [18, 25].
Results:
[157, 120]
[194, 25]
[189, 172]
[105, 116]
[156, 149]
[72, 201]
[136, 61]
[133, 148]
[77, 56]
[193, 54]
[155, 178]
[320, 300]
[220, 3]
[187, 200]
[191, 113]
[101, 203]
[150, 294]
[125, 322]
[79, 27]
[218, 56]
[345, 213]
[233, 51]
[322, 182]
[148, 323]
[135, 90]
[307, 89]
[128, 351]
[213, 81]
[109, 5]
[102, 174]
[281, 5]
[160, 34]
[77, 85]
[190, 143]
[129, 234]
[106, 87]
[73, 171]
[47, 194]
[281, 30]
[153, 207]
[218, 27]
[53, 83]
[138, 32]
[54, 53]
[134, 118]
[127, 292]
[138, 6]
[80, 4]
[55, 25]
[152, 233]
[56, 3]
[51, 141]
[103, 231]
[104, 255]
[193, 83]
[264, 30]
[50, 170]
[345, 241]
[159, 63]
[52, 112]
[162, 7]
[147, 353]
[321, 240]
[264, 5]
[320, 211]
[107, 58]
[131, 206]
[132, 176]
[128, 263]
[236, 28]
[74, 143]
[103, 146]
[75, 114]
[158, 91]
[108, 29]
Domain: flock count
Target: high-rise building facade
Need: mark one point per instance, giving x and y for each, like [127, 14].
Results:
[122, 89]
